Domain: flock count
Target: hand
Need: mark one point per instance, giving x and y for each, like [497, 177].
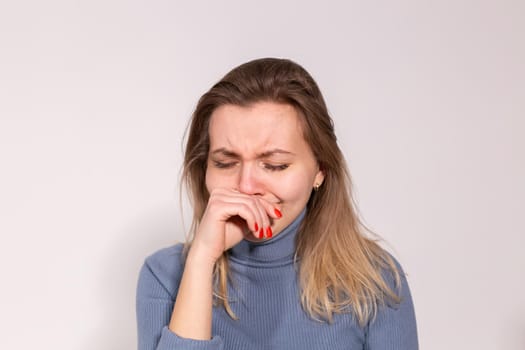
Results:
[229, 217]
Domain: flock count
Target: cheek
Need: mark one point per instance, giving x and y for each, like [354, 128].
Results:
[294, 189]
[216, 179]
[210, 180]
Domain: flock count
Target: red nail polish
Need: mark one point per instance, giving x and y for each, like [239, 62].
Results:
[261, 233]
[269, 232]
[256, 227]
[278, 213]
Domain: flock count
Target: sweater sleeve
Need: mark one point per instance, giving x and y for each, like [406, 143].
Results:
[157, 288]
[394, 327]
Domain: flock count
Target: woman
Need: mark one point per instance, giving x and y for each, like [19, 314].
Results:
[278, 258]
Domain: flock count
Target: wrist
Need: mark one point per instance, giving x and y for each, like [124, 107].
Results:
[200, 259]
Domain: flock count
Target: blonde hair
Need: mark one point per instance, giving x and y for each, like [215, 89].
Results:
[340, 268]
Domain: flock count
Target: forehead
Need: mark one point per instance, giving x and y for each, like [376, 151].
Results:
[257, 127]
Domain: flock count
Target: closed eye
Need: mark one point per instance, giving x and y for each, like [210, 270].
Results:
[223, 165]
[272, 167]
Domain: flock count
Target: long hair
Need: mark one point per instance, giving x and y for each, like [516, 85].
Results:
[341, 268]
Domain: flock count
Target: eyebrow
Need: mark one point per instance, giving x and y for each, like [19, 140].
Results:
[266, 154]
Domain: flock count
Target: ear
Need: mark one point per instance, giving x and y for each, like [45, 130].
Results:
[319, 178]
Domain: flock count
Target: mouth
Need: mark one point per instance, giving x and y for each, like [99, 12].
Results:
[273, 199]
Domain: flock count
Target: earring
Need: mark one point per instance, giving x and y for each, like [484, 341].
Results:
[316, 187]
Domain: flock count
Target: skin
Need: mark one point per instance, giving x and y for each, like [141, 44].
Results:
[258, 162]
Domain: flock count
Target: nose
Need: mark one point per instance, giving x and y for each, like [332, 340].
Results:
[249, 180]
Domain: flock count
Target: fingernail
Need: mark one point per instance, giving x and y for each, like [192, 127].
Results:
[256, 227]
[269, 232]
[261, 233]
[278, 213]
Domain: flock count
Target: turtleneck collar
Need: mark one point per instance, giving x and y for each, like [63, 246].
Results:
[276, 251]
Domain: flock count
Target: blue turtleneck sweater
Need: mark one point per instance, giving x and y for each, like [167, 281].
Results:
[264, 295]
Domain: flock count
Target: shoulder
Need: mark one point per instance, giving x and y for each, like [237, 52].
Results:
[395, 277]
[166, 259]
[164, 268]
[395, 322]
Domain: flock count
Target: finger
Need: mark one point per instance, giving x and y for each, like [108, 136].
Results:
[270, 211]
[249, 211]
[265, 229]
[264, 210]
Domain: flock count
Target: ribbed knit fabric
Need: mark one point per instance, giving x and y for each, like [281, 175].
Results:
[265, 298]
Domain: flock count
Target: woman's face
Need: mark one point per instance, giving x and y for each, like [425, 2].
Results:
[260, 150]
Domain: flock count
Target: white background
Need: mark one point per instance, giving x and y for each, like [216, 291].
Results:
[428, 98]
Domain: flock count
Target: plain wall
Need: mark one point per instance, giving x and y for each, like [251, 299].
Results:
[428, 99]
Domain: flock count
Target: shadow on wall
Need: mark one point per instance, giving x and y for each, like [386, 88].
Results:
[119, 273]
